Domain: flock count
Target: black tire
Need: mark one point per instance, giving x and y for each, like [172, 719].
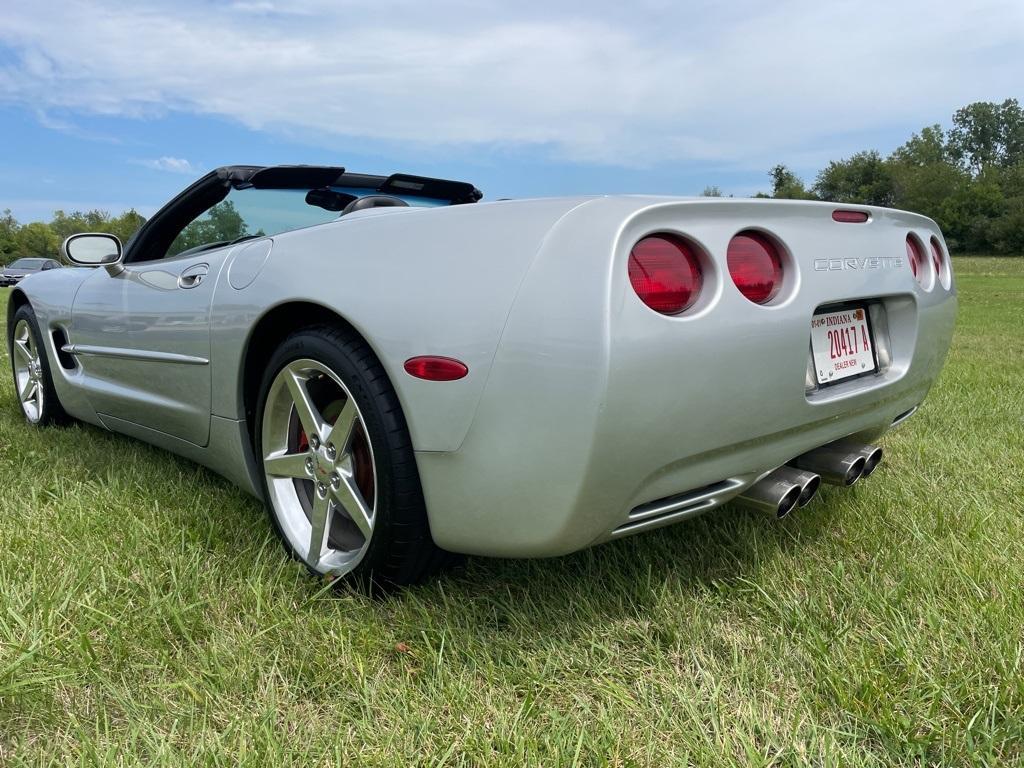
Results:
[401, 550]
[50, 412]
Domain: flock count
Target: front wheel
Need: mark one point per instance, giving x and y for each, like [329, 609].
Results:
[339, 475]
[33, 384]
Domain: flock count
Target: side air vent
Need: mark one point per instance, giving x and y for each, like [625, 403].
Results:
[60, 340]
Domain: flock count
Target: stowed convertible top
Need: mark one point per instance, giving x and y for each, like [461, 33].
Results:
[156, 235]
[316, 176]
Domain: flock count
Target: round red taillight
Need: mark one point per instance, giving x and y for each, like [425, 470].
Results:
[756, 266]
[936, 256]
[434, 368]
[665, 273]
[915, 255]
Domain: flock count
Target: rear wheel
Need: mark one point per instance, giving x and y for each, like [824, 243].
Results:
[33, 385]
[339, 475]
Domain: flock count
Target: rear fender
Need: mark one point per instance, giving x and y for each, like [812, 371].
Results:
[434, 281]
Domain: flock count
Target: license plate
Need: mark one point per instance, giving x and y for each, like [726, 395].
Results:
[842, 345]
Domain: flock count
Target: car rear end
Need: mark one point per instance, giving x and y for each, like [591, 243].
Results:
[846, 340]
[664, 356]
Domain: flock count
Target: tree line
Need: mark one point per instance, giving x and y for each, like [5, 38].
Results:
[969, 178]
[222, 223]
[39, 238]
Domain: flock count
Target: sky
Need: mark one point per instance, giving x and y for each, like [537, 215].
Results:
[121, 104]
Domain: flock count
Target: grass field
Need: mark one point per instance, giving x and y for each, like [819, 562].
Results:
[147, 615]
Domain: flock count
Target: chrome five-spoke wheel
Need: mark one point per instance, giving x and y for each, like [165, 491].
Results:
[28, 371]
[338, 471]
[319, 466]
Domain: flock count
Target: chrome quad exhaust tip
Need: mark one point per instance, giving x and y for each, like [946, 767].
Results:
[872, 455]
[809, 483]
[841, 462]
[796, 484]
[777, 493]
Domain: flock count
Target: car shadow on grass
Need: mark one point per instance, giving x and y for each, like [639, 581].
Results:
[718, 552]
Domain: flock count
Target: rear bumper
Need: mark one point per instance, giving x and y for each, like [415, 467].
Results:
[729, 412]
[601, 418]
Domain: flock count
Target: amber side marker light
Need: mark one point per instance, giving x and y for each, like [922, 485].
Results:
[850, 217]
[434, 368]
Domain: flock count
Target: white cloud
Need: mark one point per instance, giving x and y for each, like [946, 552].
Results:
[69, 128]
[742, 83]
[253, 7]
[171, 164]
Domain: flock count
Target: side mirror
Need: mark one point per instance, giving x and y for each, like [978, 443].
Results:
[94, 249]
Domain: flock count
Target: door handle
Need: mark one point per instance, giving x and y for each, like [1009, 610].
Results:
[193, 276]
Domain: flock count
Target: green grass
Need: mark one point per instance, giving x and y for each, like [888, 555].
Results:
[147, 615]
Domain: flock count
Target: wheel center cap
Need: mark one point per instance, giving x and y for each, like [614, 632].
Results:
[323, 465]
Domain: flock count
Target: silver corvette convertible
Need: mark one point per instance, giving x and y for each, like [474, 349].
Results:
[398, 370]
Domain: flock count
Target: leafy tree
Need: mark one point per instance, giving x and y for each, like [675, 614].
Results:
[37, 239]
[1005, 225]
[923, 149]
[222, 223]
[928, 189]
[1006, 232]
[127, 224]
[968, 212]
[863, 178]
[970, 179]
[787, 185]
[8, 235]
[925, 180]
[66, 224]
[986, 134]
[124, 226]
[974, 138]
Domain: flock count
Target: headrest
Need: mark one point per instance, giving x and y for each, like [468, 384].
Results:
[374, 201]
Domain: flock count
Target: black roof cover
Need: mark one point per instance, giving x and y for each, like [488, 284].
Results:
[317, 176]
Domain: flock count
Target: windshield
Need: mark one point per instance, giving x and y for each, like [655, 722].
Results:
[27, 264]
[256, 212]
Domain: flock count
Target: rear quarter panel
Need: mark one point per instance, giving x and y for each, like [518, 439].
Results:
[413, 281]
